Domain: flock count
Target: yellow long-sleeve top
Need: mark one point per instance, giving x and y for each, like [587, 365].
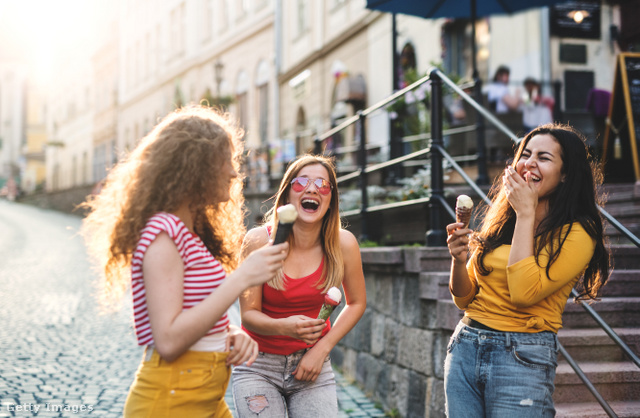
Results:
[521, 297]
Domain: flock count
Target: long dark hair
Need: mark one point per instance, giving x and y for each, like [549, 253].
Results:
[574, 200]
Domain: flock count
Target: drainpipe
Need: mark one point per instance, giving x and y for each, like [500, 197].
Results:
[277, 63]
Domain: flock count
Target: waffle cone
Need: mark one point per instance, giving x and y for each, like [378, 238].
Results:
[463, 215]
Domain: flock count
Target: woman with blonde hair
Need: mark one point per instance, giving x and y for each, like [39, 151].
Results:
[292, 374]
[168, 222]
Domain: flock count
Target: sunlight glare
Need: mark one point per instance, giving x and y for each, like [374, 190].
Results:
[40, 30]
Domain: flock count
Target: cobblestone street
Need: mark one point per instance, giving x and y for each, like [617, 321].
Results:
[60, 356]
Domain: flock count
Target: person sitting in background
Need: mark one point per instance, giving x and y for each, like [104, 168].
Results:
[498, 95]
[536, 109]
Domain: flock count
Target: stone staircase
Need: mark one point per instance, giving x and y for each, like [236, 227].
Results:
[605, 364]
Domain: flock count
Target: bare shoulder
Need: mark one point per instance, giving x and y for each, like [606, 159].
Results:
[162, 254]
[348, 241]
[162, 245]
[255, 238]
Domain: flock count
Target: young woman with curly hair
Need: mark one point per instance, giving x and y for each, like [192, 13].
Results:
[168, 223]
[292, 375]
[541, 236]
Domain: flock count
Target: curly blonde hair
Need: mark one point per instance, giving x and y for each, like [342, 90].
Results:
[176, 163]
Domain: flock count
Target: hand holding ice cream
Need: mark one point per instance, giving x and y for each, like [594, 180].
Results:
[331, 299]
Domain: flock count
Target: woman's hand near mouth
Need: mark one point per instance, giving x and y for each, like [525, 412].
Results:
[522, 193]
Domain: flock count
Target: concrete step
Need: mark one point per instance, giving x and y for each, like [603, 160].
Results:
[432, 259]
[625, 212]
[630, 409]
[591, 344]
[622, 283]
[434, 285]
[616, 381]
[625, 257]
[620, 312]
[447, 315]
[616, 237]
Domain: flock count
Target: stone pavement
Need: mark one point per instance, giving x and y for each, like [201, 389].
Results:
[60, 357]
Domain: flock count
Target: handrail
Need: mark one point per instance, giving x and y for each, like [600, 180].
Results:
[464, 175]
[616, 224]
[366, 112]
[478, 107]
[451, 131]
[379, 166]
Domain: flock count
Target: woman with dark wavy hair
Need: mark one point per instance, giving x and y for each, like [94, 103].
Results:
[168, 223]
[293, 375]
[541, 236]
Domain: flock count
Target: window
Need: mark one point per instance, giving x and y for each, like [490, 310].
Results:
[243, 112]
[146, 55]
[207, 19]
[224, 14]
[158, 50]
[301, 131]
[263, 94]
[74, 171]
[242, 8]
[182, 28]
[262, 82]
[85, 168]
[99, 162]
[242, 87]
[137, 70]
[456, 47]
[302, 16]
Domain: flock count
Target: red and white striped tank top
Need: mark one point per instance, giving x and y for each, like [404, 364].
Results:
[202, 272]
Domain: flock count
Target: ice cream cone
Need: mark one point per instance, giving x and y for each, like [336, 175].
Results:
[331, 300]
[464, 206]
[287, 215]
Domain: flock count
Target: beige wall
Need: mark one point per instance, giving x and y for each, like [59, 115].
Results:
[245, 43]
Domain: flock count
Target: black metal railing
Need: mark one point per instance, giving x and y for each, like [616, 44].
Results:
[436, 235]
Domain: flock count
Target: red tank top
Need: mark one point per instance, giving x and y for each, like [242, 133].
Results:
[300, 297]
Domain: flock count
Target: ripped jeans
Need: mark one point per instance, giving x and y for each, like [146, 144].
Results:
[500, 374]
[267, 389]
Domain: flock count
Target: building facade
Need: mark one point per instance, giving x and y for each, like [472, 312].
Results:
[13, 83]
[197, 51]
[292, 69]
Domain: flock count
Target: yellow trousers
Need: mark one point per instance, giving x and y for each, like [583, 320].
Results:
[193, 385]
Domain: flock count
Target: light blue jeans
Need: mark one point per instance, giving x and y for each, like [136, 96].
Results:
[500, 374]
[268, 390]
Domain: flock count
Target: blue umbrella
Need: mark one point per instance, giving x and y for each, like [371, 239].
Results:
[471, 9]
[456, 8]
